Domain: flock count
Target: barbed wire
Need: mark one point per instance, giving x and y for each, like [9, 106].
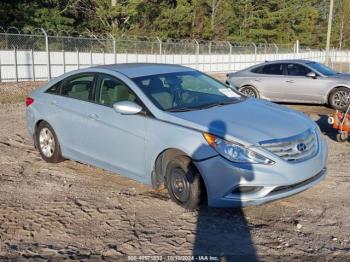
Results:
[89, 35]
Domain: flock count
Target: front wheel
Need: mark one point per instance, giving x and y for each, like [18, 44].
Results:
[249, 91]
[340, 98]
[183, 183]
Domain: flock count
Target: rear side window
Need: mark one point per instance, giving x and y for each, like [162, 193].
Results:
[273, 69]
[79, 87]
[258, 70]
[54, 89]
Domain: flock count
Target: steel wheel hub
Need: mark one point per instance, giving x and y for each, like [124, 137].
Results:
[179, 185]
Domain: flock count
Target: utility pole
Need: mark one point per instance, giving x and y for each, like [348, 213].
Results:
[329, 30]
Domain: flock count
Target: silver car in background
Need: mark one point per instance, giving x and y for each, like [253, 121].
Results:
[299, 81]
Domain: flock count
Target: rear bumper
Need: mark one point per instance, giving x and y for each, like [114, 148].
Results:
[272, 182]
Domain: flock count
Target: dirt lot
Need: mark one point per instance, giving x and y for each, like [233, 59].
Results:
[75, 211]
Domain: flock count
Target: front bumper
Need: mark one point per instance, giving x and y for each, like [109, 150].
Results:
[273, 182]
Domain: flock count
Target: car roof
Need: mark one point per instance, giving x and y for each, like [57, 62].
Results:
[291, 61]
[133, 70]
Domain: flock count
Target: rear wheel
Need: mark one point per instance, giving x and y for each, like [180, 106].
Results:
[47, 143]
[249, 91]
[340, 98]
[183, 183]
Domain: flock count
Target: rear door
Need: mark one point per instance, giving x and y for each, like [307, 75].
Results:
[70, 117]
[301, 88]
[115, 141]
[269, 79]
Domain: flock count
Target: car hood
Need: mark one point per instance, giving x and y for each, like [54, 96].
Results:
[247, 122]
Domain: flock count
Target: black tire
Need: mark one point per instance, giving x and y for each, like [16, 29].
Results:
[339, 98]
[342, 136]
[184, 183]
[249, 91]
[56, 156]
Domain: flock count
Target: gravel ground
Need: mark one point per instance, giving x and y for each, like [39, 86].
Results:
[75, 211]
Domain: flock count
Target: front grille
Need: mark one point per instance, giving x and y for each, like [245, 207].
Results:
[294, 149]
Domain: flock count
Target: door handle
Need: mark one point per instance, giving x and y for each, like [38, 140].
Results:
[257, 80]
[93, 116]
[290, 81]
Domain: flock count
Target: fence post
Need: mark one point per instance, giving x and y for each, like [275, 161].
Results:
[276, 50]
[90, 57]
[209, 51]
[114, 51]
[16, 65]
[311, 56]
[255, 52]
[0, 71]
[114, 48]
[297, 48]
[160, 48]
[230, 57]
[78, 62]
[33, 65]
[197, 53]
[64, 60]
[47, 54]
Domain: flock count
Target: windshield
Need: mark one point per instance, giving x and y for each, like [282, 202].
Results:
[325, 70]
[185, 91]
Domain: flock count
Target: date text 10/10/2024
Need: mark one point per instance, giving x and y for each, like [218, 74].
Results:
[173, 258]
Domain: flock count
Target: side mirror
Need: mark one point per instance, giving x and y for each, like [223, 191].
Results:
[311, 74]
[127, 108]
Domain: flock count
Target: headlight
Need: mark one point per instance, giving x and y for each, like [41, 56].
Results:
[235, 152]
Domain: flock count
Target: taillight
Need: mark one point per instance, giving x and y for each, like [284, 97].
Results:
[29, 101]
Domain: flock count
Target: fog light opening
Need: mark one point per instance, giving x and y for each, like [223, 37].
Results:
[246, 190]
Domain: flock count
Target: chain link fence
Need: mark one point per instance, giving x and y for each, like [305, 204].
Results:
[40, 55]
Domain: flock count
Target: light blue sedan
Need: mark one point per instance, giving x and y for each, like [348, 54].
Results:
[175, 127]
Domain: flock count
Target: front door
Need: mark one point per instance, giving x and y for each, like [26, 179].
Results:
[301, 88]
[115, 142]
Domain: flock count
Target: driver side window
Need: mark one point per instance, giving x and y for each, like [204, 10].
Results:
[112, 90]
[297, 70]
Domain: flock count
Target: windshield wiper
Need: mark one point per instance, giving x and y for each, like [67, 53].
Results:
[226, 102]
[185, 109]
[180, 109]
[230, 101]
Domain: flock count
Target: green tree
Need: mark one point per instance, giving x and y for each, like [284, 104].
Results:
[279, 21]
[341, 32]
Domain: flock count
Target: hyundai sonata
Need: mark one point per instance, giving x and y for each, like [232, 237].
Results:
[175, 127]
[297, 81]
